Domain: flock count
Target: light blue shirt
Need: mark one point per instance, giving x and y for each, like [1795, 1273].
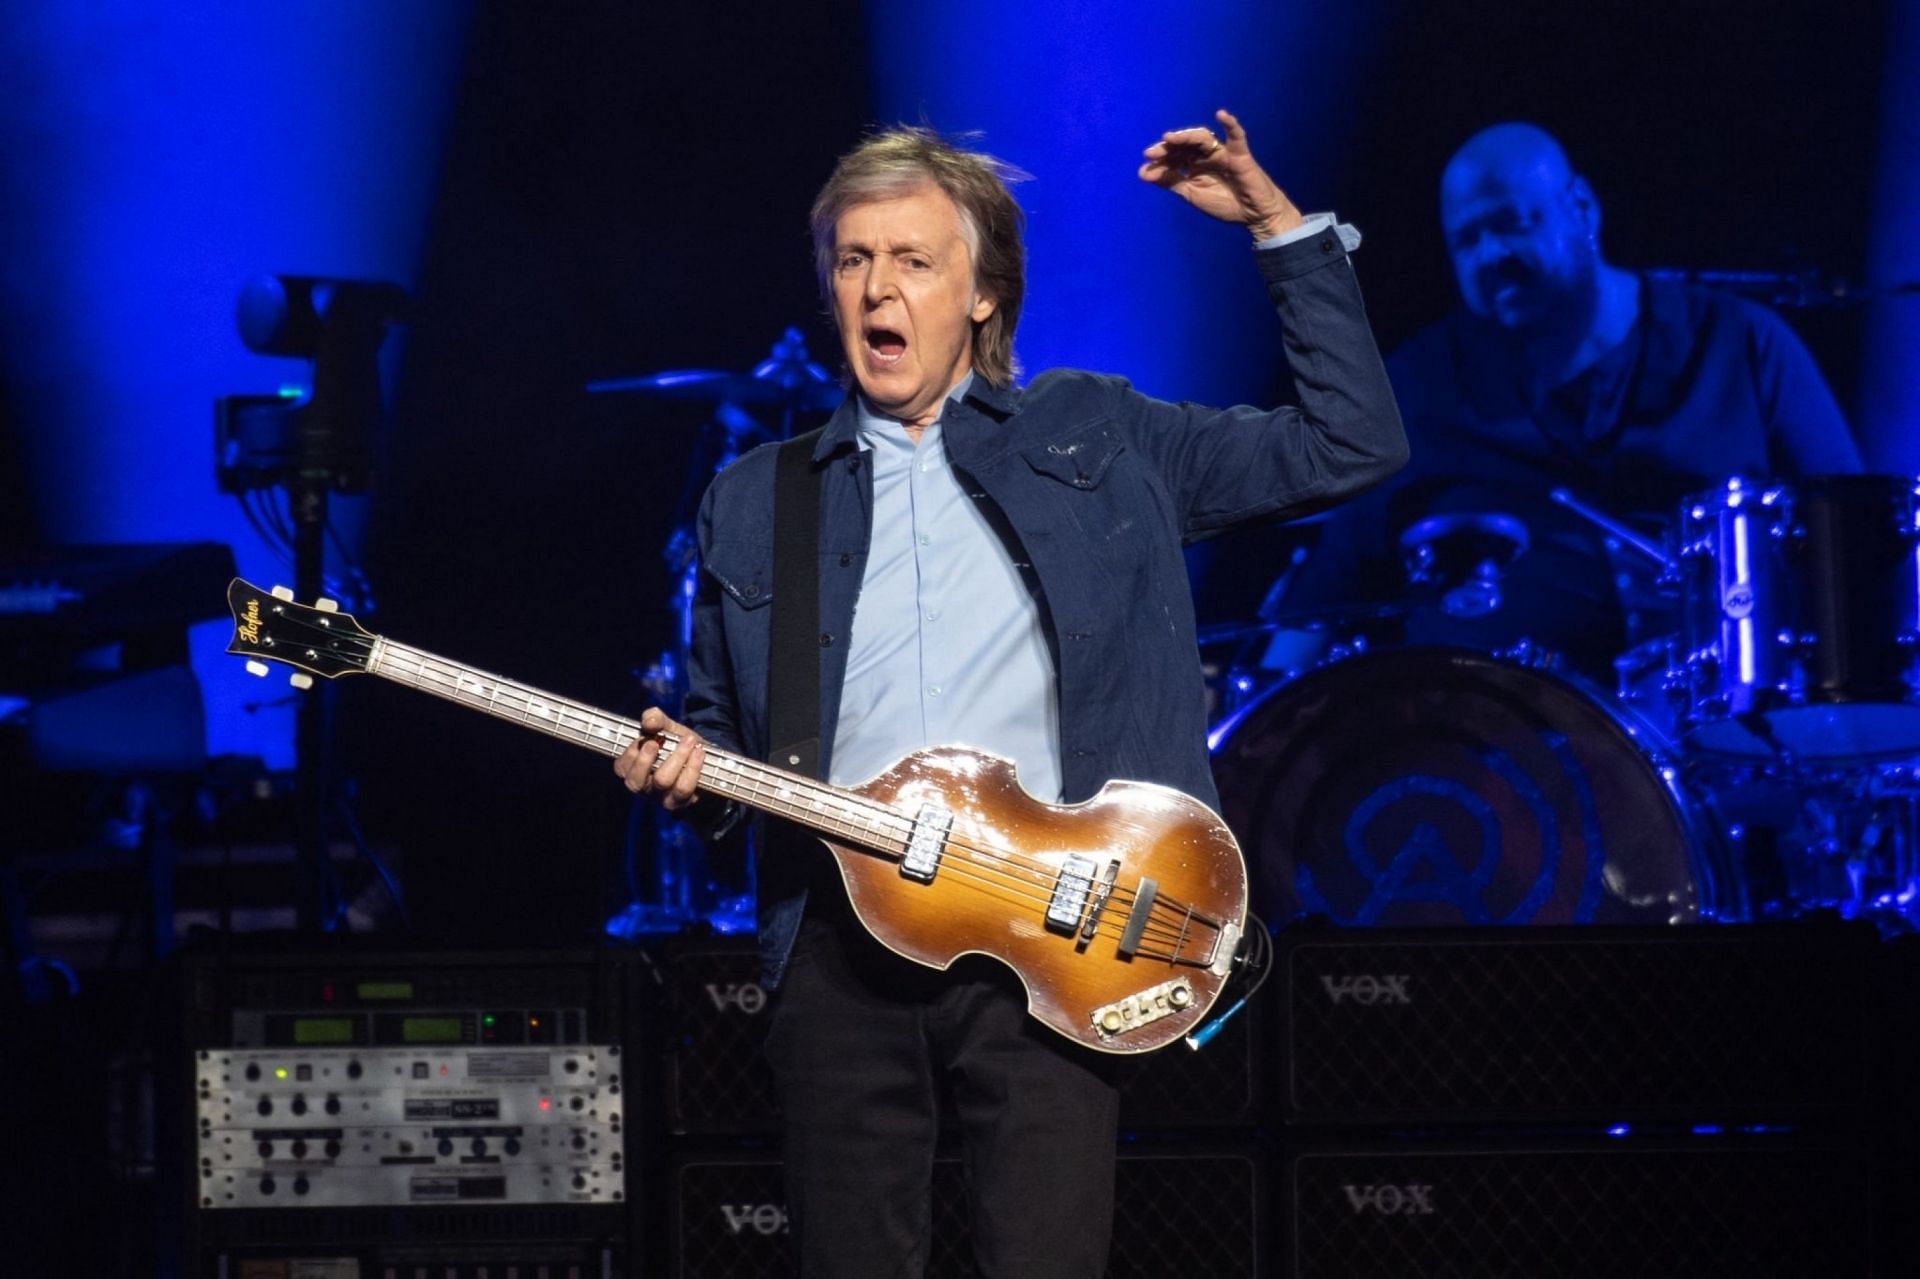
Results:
[947, 647]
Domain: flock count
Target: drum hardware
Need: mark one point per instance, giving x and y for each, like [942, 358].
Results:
[686, 888]
[1461, 558]
[1621, 535]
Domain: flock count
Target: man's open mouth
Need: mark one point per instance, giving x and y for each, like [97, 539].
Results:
[886, 345]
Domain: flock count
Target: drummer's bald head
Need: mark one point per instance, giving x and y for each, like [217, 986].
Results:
[902, 160]
[1508, 152]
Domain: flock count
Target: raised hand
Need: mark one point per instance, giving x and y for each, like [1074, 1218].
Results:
[1221, 179]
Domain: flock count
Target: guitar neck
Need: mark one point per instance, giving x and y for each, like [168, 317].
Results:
[824, 809]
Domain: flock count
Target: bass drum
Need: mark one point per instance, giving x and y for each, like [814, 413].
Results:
[1445, 787]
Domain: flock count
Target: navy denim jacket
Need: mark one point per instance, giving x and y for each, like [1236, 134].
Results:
[1097, 487]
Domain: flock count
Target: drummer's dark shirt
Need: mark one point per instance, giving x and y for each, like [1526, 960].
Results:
[1705, 386]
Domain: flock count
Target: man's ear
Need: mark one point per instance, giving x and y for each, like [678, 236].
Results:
[983, 306]
[1585, 203]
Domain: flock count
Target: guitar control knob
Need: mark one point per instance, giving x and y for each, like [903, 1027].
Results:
[1180, 996]
[1111, 1021]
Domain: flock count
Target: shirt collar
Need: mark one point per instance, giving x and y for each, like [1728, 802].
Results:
[848, 426]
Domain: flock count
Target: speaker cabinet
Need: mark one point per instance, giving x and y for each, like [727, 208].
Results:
[1764, 1023]
[1701, 1208]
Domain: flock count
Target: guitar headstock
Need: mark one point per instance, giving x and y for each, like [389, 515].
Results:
[318, 640]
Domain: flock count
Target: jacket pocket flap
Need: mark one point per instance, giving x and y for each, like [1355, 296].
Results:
[1081, 461]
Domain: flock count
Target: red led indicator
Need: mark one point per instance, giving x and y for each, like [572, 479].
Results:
[443, 1070]
[545, 1104]
[326, 993]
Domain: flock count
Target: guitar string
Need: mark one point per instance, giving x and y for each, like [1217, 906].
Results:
[1163, 914]
[1166, 917]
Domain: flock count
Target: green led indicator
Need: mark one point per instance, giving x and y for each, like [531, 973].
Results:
[488, 1019]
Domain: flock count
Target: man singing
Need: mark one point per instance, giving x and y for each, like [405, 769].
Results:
[999, 567]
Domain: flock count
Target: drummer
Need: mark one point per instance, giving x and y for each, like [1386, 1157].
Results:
[1561, 370]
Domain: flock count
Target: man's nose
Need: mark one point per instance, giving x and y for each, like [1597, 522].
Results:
[880, 280]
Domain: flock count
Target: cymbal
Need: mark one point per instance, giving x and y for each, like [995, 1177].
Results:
[721, 387]
[785, 379]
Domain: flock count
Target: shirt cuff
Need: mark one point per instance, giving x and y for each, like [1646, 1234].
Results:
[1313, 225]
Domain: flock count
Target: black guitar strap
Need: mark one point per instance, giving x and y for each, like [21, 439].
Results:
[793, 666]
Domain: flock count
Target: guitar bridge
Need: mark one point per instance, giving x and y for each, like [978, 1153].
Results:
[924, 846]
[1143, 1007]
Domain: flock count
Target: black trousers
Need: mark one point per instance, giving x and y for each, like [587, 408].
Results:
[862, 1045]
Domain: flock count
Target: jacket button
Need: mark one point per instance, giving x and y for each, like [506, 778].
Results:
[826, 639]
[846, 561]
[1326, 244]
[751, 590]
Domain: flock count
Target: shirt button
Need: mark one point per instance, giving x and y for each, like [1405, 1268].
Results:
[826, 639]
[933, 690]
[925, 540]
[933, 615]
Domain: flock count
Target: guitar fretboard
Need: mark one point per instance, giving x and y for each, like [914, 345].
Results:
[826, 809]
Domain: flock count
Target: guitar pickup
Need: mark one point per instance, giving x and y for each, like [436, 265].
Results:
[1070, 890]
[924, 846]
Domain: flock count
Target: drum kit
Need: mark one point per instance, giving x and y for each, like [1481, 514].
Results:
[1760, 760]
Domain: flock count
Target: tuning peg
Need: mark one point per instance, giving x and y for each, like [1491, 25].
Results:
[257, 668]
[326, 605]
[300, 680]
[283, 593]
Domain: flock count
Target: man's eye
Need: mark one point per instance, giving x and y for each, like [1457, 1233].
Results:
[918, 264]
[847, 261]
